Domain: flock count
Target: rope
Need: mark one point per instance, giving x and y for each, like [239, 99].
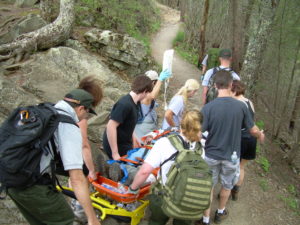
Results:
[167, 64]
[165, 94]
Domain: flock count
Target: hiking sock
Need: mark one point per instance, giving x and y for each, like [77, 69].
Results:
[221, 211]
[206, 219]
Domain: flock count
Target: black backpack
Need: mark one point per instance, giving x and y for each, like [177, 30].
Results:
[212, 91]
[25, 136]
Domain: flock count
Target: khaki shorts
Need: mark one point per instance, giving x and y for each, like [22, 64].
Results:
[226, 171]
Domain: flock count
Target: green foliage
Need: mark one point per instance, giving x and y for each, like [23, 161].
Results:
[260, 124]
[183, 50]
[258, 151]
[291, 202]
[292, 189]
[291, 198]
[137, 18]
[264, 185]
[264, 163]
[179, 39]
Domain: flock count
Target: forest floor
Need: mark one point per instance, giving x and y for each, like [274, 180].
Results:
[265, 197]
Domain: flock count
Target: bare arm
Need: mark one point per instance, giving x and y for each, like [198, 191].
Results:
[135, 141]
[154, 93]
[80, 187]
[204, 92]
[255, 132]
[111, 132]
[169, 117]
[141, 175]
[86, 149]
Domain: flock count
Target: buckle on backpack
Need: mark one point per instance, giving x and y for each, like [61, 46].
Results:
[24, 114]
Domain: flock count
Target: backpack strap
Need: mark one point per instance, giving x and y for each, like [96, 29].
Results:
[211, 79]
[180, 144]
[150, 109]
[53, 126]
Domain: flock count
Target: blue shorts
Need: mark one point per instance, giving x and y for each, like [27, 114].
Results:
[226, 171]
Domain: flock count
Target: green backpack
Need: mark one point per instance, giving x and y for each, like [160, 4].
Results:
[186, 193]
[213, 58]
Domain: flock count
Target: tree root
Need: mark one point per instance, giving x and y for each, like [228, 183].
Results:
[46, 37]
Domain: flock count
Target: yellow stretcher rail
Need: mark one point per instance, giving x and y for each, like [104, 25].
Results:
[108, 208]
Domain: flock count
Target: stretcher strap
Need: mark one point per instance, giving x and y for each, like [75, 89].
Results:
[125, 177]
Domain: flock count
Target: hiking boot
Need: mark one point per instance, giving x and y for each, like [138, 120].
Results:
[200, 222]
[115, 172]
[101, 164]
[235, 193]
[220, 216]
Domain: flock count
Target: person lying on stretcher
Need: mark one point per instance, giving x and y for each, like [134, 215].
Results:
[124, 170]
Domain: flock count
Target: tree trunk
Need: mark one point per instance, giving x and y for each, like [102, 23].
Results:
[293, 78]
[294, 154]
[182, 7]
[47, 36]
[257, 44]
[202, 32]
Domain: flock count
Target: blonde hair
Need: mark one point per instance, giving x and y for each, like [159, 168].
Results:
[191, 125]
[190, 85]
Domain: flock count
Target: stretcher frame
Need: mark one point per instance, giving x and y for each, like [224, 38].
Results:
[107, 208]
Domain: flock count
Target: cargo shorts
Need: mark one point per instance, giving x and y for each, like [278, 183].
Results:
[225, 171]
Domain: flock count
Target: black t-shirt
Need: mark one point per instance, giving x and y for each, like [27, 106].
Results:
[224, 118]
[125, 112]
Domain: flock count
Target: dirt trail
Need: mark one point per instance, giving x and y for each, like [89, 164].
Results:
[182, 70]
[256, 206]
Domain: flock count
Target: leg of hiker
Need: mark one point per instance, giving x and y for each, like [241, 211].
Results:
[215, 167]
[182, 222]
[40, 203]
[224, 195]
[229, 176]
[221, 212]
[206, 214]
[157, 215]
[236, 188]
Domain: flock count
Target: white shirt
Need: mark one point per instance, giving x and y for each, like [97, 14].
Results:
[69, 140]
[177, 107]
[162, 150]
[209, 73]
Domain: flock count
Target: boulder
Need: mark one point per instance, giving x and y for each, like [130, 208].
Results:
[26, 24]
[123, 52]
[49, 76]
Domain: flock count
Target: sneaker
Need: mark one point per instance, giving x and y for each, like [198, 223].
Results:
[235, 193]
[220, 216]
[200, 222]
[115, 172]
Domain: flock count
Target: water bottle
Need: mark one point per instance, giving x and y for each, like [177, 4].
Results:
[108, 187]
[234, 158]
